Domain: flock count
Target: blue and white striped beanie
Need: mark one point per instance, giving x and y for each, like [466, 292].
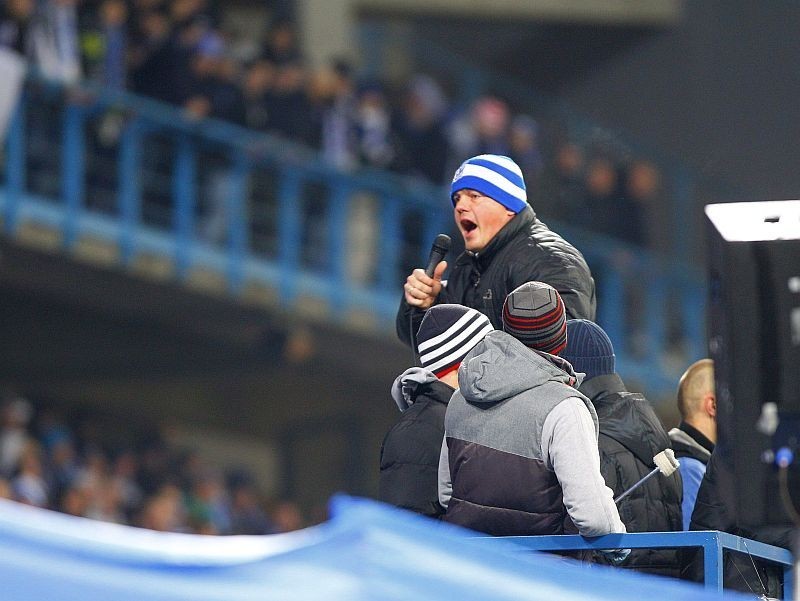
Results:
[494, 175]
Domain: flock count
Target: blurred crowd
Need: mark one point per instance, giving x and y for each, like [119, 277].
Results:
[180, 52]
[84, 469]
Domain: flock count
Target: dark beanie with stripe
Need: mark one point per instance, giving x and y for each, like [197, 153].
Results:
[534, 314]
[447, 333]
[589, 348]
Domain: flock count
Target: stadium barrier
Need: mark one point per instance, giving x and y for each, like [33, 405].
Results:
[147, 180]
[714, 545]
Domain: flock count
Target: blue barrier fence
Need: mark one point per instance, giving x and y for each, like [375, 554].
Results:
[257, 210]
[714, 545]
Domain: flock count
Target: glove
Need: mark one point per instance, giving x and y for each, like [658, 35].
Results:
[615, 556]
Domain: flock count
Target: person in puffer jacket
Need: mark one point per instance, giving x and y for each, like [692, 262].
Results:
[410, 451]
[520, 455]
[630, 436]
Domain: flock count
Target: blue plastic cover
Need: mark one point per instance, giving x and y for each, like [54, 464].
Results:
[366, 551]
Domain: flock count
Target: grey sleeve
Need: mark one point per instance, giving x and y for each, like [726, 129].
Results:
[445, 485]
[569, 446]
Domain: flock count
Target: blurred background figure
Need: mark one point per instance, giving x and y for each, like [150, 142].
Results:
[14, 436]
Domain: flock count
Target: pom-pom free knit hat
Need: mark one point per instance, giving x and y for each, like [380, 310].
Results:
[447, 333]
[534, 314]
[494, 175]
[589, 348]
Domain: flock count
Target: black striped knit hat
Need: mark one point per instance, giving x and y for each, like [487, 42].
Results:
[534, 314]
[447, 333]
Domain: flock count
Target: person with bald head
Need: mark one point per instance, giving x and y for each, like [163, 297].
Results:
[694, 438]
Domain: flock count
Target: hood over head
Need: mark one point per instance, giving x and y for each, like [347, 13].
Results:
[500, 367]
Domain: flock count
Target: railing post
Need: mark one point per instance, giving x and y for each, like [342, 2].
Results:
[289, 234]
[693, 313]
[129, 196]
[15, 165]
[72, 171]
[183, 195]
[389, 241]
[655, 310]
[338, 244]
[611, 307]
[684, 232]
[237, 222]
[712, 564]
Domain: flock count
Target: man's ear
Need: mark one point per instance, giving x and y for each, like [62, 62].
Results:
[710, 405]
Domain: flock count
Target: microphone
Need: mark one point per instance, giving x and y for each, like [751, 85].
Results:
[439, 249]
[665, 463]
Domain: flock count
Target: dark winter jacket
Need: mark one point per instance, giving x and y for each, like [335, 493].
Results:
[521, 447]
[715, 510]
[410, 450]
[524, 250]
[630, 436]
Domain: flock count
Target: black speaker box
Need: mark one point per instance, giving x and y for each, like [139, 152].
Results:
[754, 339]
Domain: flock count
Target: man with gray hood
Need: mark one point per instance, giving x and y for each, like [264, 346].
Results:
[520, 455]
[410, 450]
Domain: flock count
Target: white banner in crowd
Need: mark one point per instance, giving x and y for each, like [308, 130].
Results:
[12, 72]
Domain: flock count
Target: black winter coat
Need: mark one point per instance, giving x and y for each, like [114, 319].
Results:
[410, 453]
[630, 436]
[715, 509]
[524, 250]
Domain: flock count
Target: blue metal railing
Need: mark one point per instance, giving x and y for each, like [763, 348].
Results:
[713, 543]
[287, 218]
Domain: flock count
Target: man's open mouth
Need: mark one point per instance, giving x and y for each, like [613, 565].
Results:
[468, 225]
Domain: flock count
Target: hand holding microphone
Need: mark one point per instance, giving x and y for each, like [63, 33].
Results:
[423, 286]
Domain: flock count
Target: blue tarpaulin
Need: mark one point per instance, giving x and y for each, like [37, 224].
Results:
[366, 551]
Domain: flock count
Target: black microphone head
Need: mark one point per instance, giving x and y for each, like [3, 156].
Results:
[442, 243]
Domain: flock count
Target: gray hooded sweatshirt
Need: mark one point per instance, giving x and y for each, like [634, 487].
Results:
[520, 452]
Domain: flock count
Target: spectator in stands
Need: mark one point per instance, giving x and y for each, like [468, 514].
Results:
[694, 438]
[62, 468]
[337, 136]
[373, 120]
[259, 81]
[216, 92]
[159, 64]
[104, 41]
[208, 505]
[247, 515]
[484, 130]
[29, 485]
[560, 190]
[15, 22]
[5, 489]
[14, 436]
[410, 451]
[289, 102]
[506, 245]
[630, 436]
[123, 480]
[520, 455]
[164, 511]
[54, 40]
[643, 188]
[422, 143]
[524, 148]
[287, 516]
[281, 47]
